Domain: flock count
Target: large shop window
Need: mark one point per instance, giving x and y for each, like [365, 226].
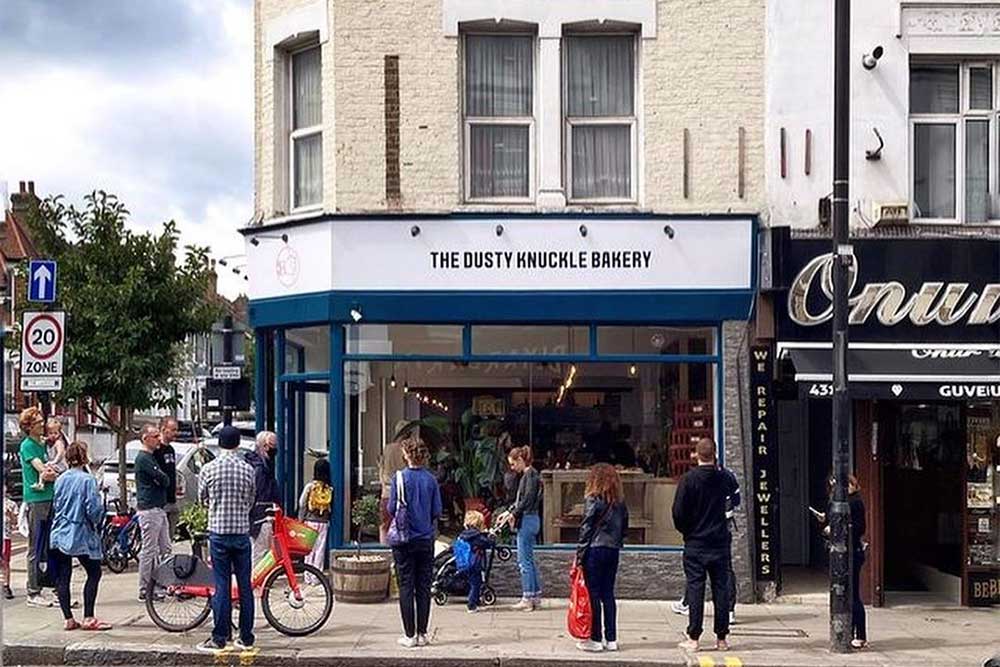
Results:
[307, 349]
[642, 416]
[600, 77]
[954, 155]
[306, 142]
[499, 117]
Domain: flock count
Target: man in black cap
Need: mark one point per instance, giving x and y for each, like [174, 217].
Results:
[226, 485]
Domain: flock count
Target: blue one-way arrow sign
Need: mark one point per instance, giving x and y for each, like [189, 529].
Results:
[42, 280]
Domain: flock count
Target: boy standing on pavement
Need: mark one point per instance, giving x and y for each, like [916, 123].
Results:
[37, 478]
[151, 484]
[167, 458]
[699, 513]
[226, 485]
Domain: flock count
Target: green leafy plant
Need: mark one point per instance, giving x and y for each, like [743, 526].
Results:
[477, 464]
[365, 513]
[194, 518]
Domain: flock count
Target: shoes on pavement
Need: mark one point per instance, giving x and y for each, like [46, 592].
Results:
[732, 618]
[678, 607]
[859, 644]
[241, 646]
[38, 600]
[422, 640]
[536, 603]
[688, 645]
[721, 645]
[407, 642]
[590, 646]
[524, 604]
[610, 646]
[209, 646]
[473, 610]
[7, 593]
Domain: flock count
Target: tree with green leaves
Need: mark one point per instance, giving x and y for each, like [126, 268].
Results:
[131, 301]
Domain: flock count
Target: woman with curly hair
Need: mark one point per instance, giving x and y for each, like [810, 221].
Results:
[417, 489]
[602, 534]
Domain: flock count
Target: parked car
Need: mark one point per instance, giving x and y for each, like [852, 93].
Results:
[191, 458]
[190, 431]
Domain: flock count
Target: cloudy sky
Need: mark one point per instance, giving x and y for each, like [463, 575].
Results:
[149, 99]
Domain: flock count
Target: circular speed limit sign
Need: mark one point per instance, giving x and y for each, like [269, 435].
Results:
[43, 337]
[42, 342]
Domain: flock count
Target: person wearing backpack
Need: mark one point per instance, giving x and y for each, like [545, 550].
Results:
[315, 504]
[470, 551]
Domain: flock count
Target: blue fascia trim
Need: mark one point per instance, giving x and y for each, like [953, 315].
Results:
[389, 216]
[339, 475]
[260, 387]
[584, 307]
[552, 359]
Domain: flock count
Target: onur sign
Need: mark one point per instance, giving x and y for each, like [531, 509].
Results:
[938, 303]
[42, 343]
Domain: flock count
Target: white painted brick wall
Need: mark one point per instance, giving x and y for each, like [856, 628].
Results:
[704, 72]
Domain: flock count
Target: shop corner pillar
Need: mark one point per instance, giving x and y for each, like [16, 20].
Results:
[551, 193]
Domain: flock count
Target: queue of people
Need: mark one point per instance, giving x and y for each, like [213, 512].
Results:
[64, 512]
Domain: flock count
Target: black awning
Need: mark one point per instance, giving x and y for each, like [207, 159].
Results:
[938, 372]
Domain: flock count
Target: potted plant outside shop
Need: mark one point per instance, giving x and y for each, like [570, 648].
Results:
[362, 576]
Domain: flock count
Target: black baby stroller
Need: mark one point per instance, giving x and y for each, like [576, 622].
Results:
[448, 580]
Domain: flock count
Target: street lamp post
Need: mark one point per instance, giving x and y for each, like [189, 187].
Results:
[839, 514]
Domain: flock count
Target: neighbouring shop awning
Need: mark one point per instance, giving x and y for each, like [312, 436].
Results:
[936, 372]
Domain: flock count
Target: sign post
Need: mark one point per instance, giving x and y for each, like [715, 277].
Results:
[43, 338]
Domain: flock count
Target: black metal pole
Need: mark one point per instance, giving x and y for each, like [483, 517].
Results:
[227, 360]
[839, 515]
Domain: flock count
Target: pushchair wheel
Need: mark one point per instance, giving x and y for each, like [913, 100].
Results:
[440, 598]
[504, 553]
[488, 596]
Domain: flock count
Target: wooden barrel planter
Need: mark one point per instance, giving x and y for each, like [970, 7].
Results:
[361, 578]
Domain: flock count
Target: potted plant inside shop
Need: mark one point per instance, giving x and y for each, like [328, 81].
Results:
[477, 467]
[362, 576]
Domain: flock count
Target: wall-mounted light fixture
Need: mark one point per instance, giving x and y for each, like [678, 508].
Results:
[255, 240]
[870, 60]
[583, 231]
[669, 231]
[356, 313]
[499, 230]
[415, 231]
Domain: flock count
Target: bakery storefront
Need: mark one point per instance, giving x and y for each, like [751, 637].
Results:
[592, 338]
[924, 370]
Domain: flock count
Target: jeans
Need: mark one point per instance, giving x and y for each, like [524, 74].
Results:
[37, 513]
[475, 574]
[715, 563]
[231, 555]
[414, 572]
[600, 569]
[527, 535]
[733, 593]
[64, 572]
[155, 543]
[858, 621]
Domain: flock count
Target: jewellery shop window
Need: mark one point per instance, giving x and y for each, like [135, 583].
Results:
[643, 417]
[982, 496]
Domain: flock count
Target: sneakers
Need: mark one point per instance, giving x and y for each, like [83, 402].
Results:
[209, 646]
[732, 618]
[422, 640]
[7, 593]
[610, 646]
[524, 604]
[473, 610]
[590, 646]
[688, 645]
[240, 646]
[536, 603]
[678, 607]
[407, 642]
[38, 600]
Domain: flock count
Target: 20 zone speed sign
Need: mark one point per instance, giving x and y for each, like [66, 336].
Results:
[42, 339]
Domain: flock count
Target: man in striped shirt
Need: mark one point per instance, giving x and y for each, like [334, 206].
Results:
[226, 486]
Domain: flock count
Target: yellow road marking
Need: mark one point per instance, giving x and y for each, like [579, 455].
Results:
[733, 661]
[706, 661]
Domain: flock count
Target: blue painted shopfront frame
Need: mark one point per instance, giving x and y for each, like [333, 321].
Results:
[593, 308]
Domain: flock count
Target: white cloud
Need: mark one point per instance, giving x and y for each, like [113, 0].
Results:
[171, 141]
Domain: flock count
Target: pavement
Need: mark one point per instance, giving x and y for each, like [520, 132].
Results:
[767, 635]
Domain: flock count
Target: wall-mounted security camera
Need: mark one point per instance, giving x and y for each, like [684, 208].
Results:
[870, 60]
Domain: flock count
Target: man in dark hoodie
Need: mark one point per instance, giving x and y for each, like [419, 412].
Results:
[268, 493]
[700, 515]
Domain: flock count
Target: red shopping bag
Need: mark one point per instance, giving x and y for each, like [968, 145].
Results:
[579, 616]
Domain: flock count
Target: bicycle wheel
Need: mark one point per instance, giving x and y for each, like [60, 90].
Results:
[134, 541]
[504, 554]
[289, 615]
[116, 561]
[173, 610]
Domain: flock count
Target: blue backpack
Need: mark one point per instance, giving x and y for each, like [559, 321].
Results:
[464, 557]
